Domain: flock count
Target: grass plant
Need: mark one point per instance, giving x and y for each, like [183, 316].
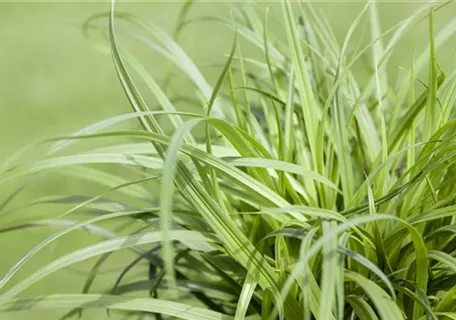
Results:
[297, 192]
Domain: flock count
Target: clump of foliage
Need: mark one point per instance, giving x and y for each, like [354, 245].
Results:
[312, 195]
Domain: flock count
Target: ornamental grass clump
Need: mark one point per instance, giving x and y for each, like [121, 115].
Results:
[296, 192]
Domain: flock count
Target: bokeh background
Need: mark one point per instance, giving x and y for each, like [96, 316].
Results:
[53, 81]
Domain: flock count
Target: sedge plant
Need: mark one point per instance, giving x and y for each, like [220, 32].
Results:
[297, 192]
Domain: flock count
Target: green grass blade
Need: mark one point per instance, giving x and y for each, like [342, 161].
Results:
[89, 301]
[385, 306]
[184, 236]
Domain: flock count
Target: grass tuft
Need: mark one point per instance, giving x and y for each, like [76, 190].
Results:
[302, 191]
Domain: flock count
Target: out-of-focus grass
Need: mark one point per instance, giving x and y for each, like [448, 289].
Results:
[52, 82]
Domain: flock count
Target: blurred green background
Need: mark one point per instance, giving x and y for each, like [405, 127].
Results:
[53, 82]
